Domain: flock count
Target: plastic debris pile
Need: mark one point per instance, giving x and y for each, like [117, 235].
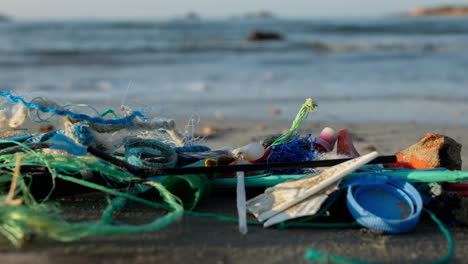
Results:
[130, 155]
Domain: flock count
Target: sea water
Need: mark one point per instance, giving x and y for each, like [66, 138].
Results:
[388, 69]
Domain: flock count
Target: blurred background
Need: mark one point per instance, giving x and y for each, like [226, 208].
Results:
[363, 61]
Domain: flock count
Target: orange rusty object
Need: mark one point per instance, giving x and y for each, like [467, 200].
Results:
[433, 151]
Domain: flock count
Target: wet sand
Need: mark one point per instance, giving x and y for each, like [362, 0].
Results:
[206, 240]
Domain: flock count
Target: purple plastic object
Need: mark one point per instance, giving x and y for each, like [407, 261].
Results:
[326, 140]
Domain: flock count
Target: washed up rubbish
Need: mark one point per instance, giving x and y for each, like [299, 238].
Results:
[412, 176]
[241, 203]
[384, 202]
[459, 188]
[251, 152]
[126, 155]
[345, 144]
[279, 198]
[258, 166]
[295, 150]
[325, 142]
[190, 189]
[433, 151]
[307, 207]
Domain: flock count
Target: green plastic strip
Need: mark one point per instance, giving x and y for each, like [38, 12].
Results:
[415, 176]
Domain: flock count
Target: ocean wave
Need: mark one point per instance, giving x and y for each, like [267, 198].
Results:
[325, 98]
[242, 46]
[412, 27]
[384, 26]
[314, 46]
[324, 46]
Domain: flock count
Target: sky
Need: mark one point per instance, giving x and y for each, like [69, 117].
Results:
[209, 8]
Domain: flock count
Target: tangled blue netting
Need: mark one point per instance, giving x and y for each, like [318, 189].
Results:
[77, 116]
[297, 149]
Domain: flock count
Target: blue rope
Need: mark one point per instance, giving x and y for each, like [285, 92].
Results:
[64, 143]
[196, 148]
[81, 134]
[44, 137]
[136, 147]
[96, 120]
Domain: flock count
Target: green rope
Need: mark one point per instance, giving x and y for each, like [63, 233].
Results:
[111, 112]
[413, 176]
[18, 222]
[308, 106]
[319, 257]
[219, 217]
[114, 205]
[446, 232]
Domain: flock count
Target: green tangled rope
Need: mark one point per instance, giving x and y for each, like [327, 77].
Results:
[20, 221]
[307, 107]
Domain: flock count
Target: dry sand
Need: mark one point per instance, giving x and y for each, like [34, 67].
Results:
[204, 240]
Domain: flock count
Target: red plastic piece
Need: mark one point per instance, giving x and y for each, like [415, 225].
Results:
[345, 144]
[460, 188]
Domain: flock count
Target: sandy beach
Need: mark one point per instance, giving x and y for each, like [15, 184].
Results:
[195, 239]
[389, 80]
[83, 82]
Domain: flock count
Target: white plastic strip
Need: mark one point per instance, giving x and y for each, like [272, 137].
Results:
[241, 203]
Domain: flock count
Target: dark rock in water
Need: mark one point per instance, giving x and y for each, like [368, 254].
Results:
[260, 14]
[4, 18]
[192, 16]
[261, 35]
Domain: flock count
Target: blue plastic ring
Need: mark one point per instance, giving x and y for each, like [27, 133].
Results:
[362, 199]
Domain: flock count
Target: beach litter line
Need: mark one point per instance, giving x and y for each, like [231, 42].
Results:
[130, 155]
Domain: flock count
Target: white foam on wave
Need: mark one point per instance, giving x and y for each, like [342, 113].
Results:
[199, 87]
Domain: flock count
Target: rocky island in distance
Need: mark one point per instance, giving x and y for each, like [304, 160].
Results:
[445, 10]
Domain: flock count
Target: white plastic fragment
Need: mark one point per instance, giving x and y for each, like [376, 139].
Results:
[19, 116]
[250, 152]
[241, 203]
[309, 206]
[287, 194]
[3, 119]
[177, 137]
